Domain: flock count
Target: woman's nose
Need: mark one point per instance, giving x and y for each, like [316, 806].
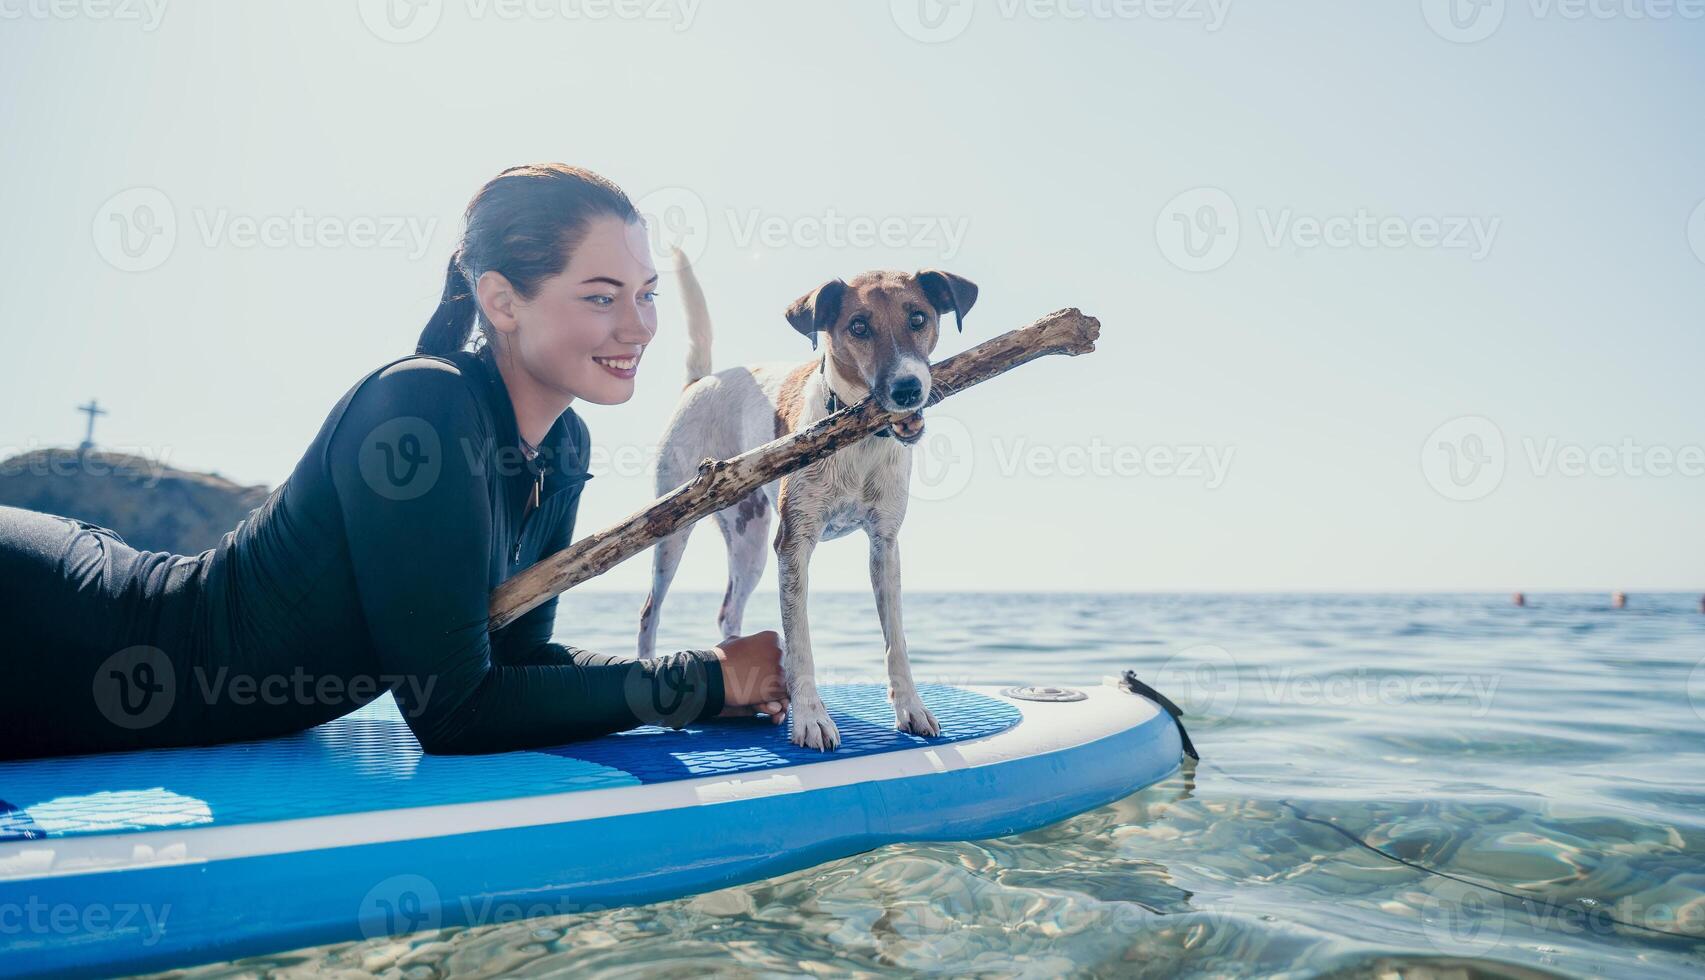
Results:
[638, 327]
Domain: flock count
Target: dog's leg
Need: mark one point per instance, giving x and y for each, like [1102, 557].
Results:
[910, 715]
[665, 559]
[812, 726]
[746, 529]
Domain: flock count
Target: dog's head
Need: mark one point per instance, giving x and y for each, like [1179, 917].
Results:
[880, 329]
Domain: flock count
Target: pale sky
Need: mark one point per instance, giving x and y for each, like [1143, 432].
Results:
[1315, 234]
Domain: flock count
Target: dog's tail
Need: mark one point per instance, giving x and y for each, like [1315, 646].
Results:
[698, 319]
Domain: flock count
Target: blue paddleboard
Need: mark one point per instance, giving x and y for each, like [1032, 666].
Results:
[139, 861]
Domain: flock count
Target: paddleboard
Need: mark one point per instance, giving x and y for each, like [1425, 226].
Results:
[136, 861]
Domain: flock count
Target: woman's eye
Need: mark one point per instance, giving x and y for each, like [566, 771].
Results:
[601, 299]
[918, 321]
[650, 296]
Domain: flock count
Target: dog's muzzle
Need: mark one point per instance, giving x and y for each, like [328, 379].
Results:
[908, 430]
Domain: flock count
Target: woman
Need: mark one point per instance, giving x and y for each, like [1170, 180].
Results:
[436, 477]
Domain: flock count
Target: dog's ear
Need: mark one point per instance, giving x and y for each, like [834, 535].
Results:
[816, 310]
[947, 291]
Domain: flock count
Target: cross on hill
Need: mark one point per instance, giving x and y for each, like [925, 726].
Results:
[92, 409]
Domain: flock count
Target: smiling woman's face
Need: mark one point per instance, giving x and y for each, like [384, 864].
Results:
[583, 331]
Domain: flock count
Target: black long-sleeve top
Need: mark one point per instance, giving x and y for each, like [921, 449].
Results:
[373, 563]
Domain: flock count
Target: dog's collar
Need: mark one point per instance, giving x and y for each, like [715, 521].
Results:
[832, 403]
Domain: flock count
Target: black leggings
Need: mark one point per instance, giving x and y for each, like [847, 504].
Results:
[91, 626]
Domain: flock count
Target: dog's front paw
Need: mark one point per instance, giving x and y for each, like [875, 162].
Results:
[812, 727]
[910, 715]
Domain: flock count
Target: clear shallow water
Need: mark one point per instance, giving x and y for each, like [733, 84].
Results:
[1554, 752]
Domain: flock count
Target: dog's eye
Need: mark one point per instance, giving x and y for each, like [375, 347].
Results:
[918, 320]
[859, 327]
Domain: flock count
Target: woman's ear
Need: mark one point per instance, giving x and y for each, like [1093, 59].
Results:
[947, 291]
[497, 300]
[817, 310]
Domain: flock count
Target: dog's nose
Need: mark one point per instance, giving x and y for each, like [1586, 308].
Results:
[906, 392]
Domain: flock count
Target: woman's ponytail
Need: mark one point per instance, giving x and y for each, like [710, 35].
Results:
[523, 223]
[451, 323]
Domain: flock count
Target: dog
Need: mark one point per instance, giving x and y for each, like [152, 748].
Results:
[878, 331]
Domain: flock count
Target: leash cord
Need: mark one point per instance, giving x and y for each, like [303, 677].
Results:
[1136, 686]
[1545, 903]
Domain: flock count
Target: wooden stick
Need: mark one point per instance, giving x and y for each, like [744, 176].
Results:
[721, 482]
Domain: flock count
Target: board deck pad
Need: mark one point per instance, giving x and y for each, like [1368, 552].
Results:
[369, 761]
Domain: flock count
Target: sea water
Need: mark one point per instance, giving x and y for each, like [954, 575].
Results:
[1431, 785]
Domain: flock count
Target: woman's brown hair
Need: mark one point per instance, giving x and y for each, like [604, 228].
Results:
[524, 223]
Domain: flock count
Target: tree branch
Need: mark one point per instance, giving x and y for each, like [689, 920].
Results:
[722, 482]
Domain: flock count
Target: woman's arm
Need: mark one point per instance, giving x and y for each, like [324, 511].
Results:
[407, 461]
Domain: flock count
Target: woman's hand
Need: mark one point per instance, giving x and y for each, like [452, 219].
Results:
[752, 679]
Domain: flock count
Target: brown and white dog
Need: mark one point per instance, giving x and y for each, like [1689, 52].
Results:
[878, 331]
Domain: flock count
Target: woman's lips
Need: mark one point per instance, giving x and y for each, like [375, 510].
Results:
[621, 367]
